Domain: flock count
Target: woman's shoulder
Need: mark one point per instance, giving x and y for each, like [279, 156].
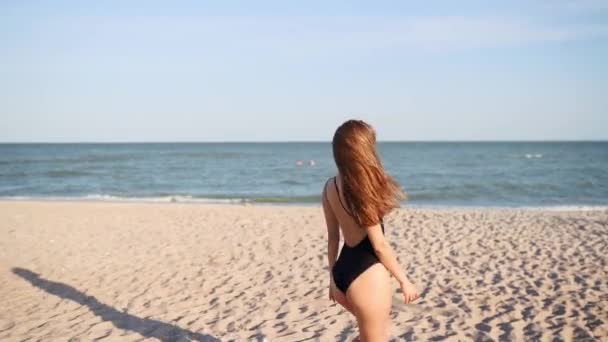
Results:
[327, 183]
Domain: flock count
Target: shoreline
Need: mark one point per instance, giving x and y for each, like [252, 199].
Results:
[241, 203]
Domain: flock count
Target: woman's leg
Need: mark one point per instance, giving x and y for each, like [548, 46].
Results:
[370, 298]
[340, 297]
[342, 300]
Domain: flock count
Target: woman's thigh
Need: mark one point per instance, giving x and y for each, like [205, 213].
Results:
[340, 297]
[370, 298]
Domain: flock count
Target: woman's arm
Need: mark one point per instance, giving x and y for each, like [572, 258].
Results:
[387, 257]
[333, 232]
[385, 252]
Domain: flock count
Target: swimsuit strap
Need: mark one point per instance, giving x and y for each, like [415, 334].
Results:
[347, 211]
[340, 199]
[325, 190]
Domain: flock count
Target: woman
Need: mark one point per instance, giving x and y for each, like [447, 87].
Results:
[356, 200]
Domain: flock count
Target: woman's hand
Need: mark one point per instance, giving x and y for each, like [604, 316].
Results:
[410, 293]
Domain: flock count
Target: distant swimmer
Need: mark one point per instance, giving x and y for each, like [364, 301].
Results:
[301, 162]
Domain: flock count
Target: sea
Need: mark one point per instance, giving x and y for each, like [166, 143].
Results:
[433, 174]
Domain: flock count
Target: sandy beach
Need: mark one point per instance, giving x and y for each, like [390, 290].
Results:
[132, 271]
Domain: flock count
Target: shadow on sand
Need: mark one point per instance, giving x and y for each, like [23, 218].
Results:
[148, 328]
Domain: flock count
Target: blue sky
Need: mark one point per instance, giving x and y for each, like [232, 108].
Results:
[294, 70]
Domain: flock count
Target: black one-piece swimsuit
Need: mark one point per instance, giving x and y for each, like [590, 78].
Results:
[355, 260]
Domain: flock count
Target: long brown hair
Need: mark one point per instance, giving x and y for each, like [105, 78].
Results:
[370, 193]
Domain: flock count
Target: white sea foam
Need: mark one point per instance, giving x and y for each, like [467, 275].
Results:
[111, 198]
[190, 199]
[571, 208]
[526, 208]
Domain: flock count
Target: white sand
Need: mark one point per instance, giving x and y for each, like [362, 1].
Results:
[128, 271]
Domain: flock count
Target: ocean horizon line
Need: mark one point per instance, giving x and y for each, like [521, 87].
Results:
[117, 142]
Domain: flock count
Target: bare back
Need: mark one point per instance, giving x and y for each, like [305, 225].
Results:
[351, 231]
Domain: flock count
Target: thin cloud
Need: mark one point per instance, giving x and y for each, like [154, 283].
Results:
[186, 41]
[579, 5]
[434, 33]
[463, 32]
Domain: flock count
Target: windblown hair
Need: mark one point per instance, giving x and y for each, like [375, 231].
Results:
[370, 193]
